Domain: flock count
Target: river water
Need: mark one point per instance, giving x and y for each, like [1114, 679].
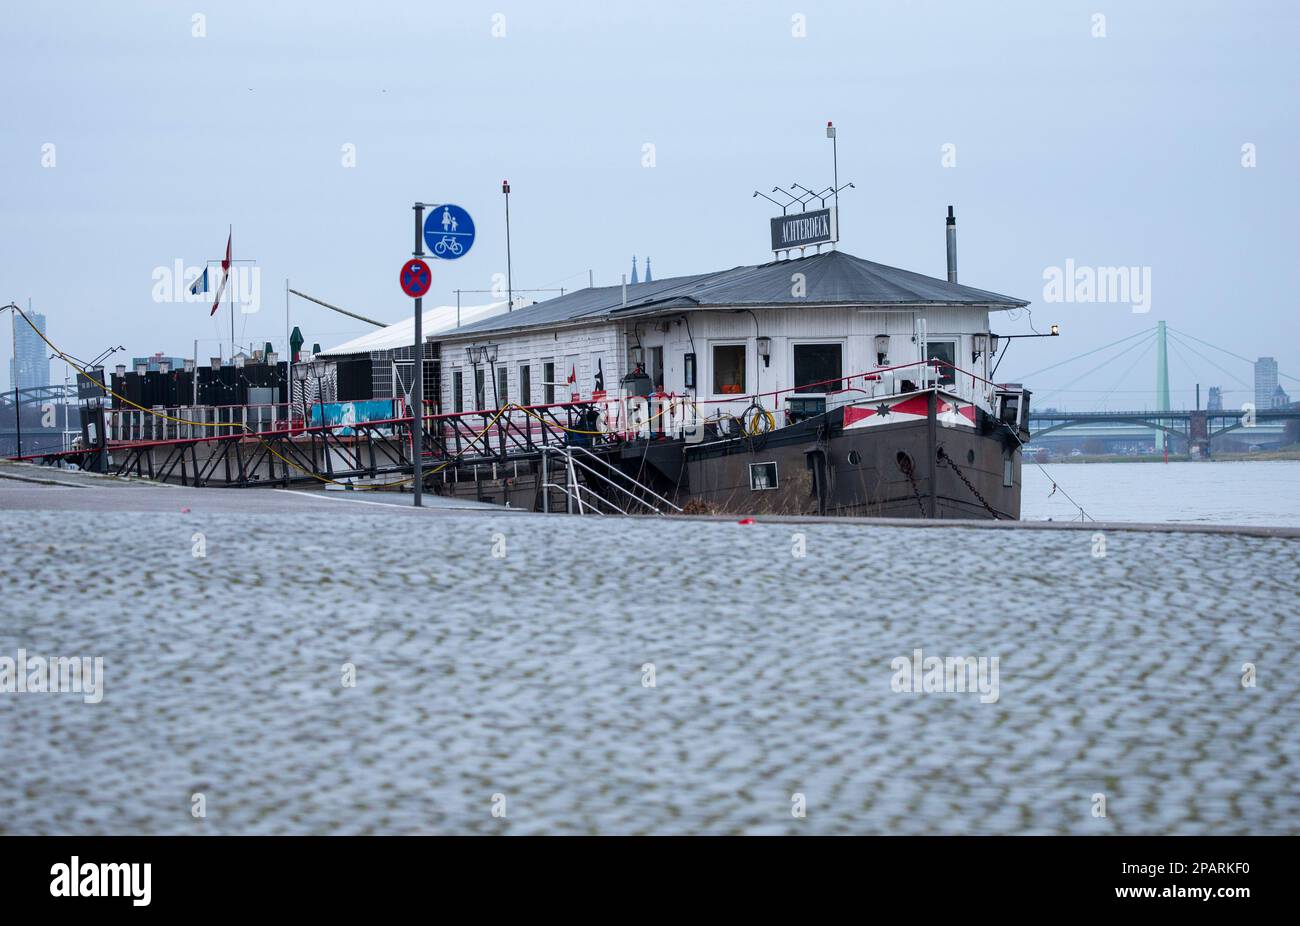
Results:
[1263, 492]
[582, 675]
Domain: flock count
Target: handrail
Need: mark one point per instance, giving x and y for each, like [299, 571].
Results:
[634, 482]
[568, 454]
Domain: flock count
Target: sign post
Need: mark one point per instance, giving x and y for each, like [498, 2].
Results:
[449, 232]
[417, 387]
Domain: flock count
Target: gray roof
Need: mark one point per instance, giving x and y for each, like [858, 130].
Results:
[832, 278]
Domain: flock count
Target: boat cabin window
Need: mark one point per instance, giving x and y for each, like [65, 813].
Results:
[762, 476]
[548, 382]
[458, 391]
[818, 367]
[728, 369]
[946, 353]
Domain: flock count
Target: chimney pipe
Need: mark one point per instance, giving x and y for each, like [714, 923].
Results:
[952, 247]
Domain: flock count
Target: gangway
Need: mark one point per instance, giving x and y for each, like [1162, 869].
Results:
[577, 472]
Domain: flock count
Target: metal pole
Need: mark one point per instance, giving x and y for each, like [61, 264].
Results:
[288, 361]
[1162, 381]
[835, 172]
[231, 239]
[18, 408]
[510, 290]
[417, 387]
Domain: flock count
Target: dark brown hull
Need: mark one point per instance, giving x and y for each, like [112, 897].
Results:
[863, 472]
[910, 469]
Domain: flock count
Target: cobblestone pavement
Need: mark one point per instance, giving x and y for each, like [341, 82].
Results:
[524, 675]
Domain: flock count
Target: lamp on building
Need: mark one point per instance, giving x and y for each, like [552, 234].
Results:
[979, 344]
[272, 358]
[765, 349]
[993, 344]
[490, 353]
[882, 350]
[121, 369]
[164, 366]
[471, 354]
[239, 360]
[141, 369]
[189, 365]
[214, 363]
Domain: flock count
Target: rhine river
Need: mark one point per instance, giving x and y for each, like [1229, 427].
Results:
[1264, 492]
[552, 674]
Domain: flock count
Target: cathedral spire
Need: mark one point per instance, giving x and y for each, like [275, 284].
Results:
[634, 279]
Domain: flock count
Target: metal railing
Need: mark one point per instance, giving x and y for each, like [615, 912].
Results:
[632, 491]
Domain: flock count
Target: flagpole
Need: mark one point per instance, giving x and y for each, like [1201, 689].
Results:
[231, 239]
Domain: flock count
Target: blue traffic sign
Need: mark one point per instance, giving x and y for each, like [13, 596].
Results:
[448, 232]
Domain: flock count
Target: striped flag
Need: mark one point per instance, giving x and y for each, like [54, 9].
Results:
[225, 274]
[200, 285]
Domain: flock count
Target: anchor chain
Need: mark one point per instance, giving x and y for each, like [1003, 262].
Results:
[974, 491]
[905, 464]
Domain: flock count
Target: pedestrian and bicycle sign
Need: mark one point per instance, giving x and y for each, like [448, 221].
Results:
[448, 232]
[416, 278]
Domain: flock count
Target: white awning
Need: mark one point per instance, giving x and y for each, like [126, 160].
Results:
[438, 320]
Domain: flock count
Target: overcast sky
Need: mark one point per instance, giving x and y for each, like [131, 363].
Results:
[1124, 150]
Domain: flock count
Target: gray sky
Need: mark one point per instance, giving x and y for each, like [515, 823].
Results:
[1122, 150]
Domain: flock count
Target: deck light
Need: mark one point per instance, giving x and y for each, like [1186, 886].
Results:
[164, 366]
[471, 355]
[490, 353]
[882, 350]
[189, 365]
[141, 369]
[765, 349]
[980, 344]
[300, 372]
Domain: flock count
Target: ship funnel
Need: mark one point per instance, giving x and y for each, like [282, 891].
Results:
[952, 247]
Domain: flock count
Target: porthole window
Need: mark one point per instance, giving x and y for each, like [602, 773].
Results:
[855, 458]
[970, 456]
[762, 476]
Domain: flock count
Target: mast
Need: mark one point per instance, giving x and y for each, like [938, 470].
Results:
[230, 267]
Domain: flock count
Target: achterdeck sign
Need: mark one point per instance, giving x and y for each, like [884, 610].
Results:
[801, 229]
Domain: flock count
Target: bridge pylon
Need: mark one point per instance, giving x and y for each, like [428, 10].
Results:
[1162, 380]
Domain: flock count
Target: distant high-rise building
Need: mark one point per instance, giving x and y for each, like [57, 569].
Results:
[33, 361]
[1215, 402]
[1265, 382]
